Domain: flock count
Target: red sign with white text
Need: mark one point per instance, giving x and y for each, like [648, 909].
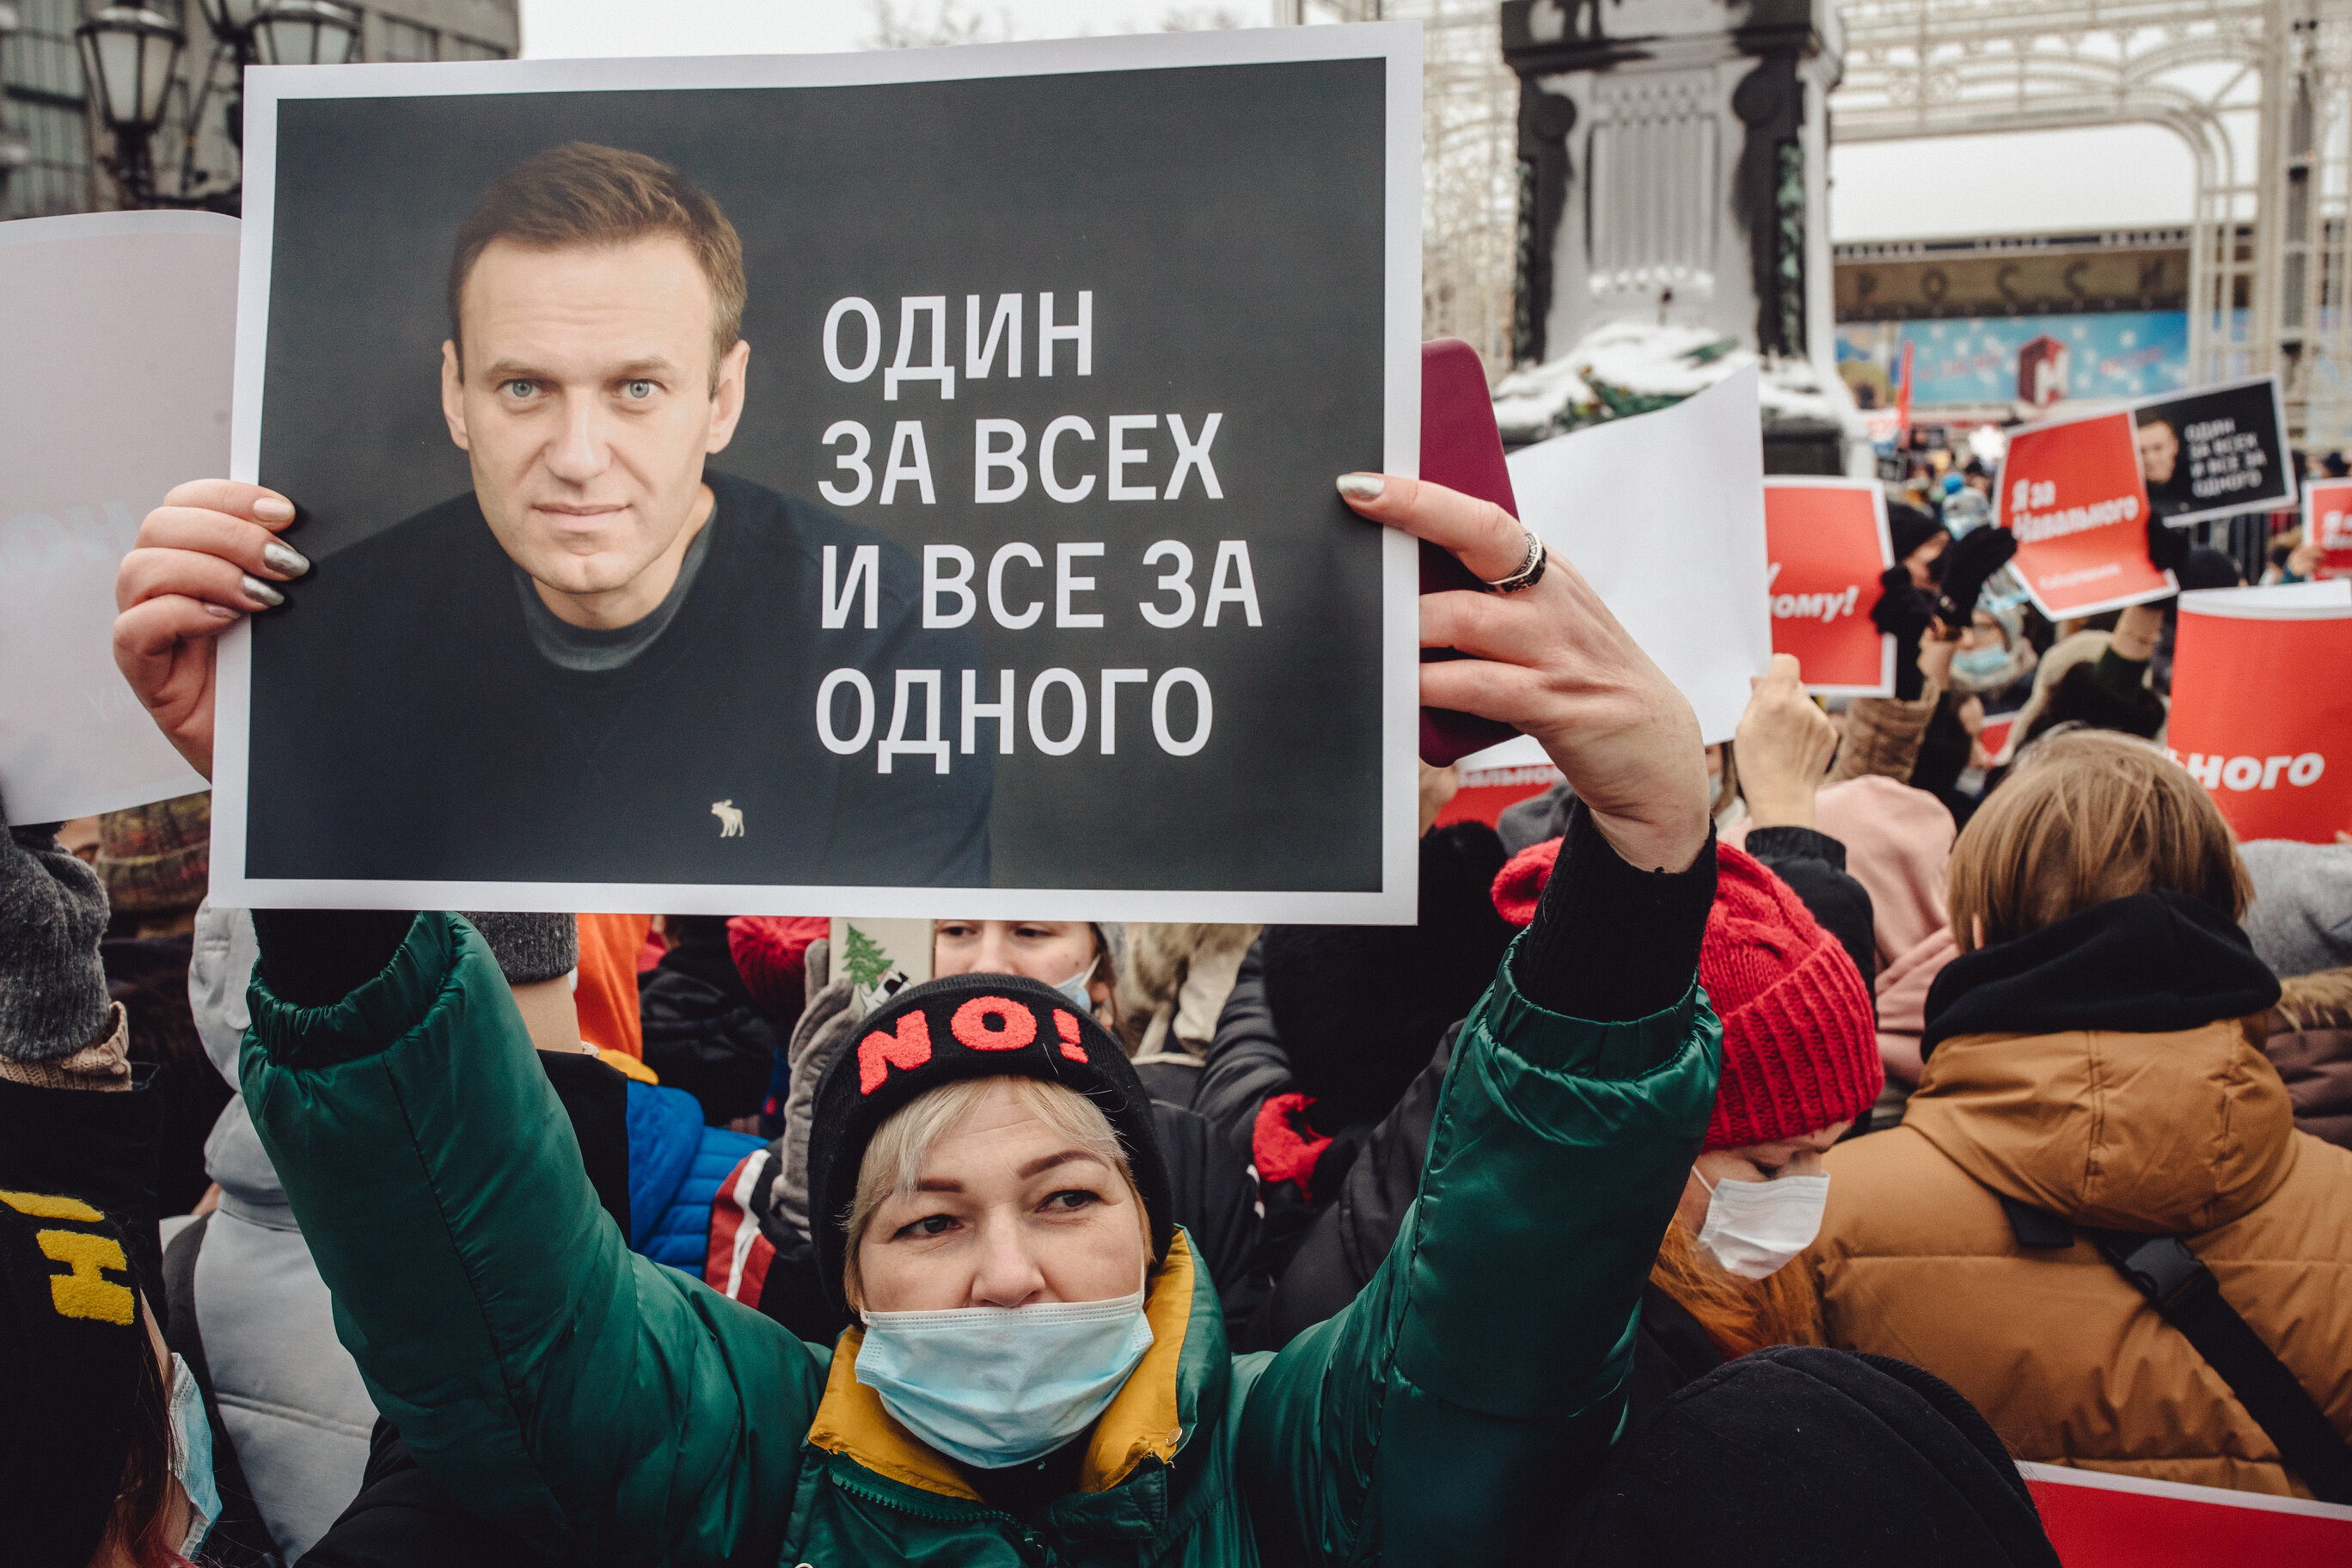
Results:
[2100, 1520]
[2072, 493]
[2327, 523]
[1825, 544]
[2262, 710]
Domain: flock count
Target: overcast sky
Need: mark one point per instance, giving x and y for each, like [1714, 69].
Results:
[570, 29]
[2118, 176]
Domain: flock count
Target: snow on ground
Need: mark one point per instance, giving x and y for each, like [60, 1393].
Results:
[1634, 367]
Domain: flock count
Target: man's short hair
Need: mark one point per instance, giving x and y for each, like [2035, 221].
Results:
[583, 195]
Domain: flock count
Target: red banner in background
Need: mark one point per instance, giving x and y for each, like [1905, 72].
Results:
[1486, 793]
[2327, 523]
[2072, 493]
[2099, 1520]
[1825, 544]
[2262, 706]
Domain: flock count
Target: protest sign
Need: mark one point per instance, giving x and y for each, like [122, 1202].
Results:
[1016, 566]
[2215, 452]
[120, 332]
[1825, 545]
[2070, 489]
[2261, 714]
[1488, 791]
[879, 956]
[1994, 736]
[2327, 523]
[2097, 1520]
[1664, 514]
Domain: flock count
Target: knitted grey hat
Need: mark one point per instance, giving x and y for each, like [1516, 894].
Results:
[53, 998]
[530, 947]
[2301, 919]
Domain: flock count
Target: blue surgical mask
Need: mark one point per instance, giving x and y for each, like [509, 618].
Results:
[995, 1386]
[1981, 663]
[192, 1455]
[1074, 988]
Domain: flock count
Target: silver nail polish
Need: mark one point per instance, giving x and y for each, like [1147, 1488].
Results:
[285, 558]
[1361, 487]
[261, 590]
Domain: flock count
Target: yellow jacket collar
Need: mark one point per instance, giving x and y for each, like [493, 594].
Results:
[1142, 1423]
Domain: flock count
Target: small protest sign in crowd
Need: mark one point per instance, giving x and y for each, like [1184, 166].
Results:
[1092, 927]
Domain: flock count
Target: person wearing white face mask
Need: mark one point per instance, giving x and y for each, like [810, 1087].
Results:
[1077, 958]
[1801, 1063]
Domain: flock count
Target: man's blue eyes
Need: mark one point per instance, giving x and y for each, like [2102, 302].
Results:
[635, 391]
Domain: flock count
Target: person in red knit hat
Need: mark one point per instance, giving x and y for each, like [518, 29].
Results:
[1800, 1064]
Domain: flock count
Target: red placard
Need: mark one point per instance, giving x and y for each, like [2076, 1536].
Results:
[2099, 1520]
[1486, 793]
[2262, 713]
[2072, 493]
[2327, 523]
[1994, 736]
[1826, 543]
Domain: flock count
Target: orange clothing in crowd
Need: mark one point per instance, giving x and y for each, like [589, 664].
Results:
[607, 997]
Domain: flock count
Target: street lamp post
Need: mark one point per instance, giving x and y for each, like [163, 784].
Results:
[16, 150]
[127, 52]
[304, 33]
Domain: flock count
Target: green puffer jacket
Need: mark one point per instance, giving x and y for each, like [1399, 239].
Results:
[617, 1411]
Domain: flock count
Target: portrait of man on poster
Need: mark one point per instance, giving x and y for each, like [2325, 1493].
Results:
[2159, 462]
[607, 656]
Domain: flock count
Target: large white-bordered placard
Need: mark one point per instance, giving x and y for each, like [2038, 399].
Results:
[1231, 811]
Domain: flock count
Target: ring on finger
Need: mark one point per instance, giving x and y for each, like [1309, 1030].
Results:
[1531, 567]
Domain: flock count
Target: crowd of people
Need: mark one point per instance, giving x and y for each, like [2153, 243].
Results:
[1750, 1149]
[1705, 1128]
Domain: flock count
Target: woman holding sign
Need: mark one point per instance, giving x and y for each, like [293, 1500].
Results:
[1043, 1374]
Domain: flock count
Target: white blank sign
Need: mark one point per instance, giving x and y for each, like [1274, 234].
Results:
[121, 331]
[1664, 514]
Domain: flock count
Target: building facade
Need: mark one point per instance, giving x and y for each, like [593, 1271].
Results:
[53, 150]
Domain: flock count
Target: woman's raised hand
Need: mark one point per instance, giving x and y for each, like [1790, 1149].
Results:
[1551, 661]
[205, 559]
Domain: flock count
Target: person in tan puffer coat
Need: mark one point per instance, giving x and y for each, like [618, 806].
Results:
[2093, 1053]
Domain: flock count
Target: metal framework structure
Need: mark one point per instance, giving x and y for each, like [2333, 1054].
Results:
[2261, 90]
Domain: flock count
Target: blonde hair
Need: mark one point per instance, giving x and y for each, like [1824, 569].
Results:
[895, 1158]
[2085, 817]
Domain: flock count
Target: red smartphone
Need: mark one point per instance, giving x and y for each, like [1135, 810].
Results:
[1461, 449]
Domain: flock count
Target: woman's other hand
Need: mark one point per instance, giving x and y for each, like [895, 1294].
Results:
[1784, 745]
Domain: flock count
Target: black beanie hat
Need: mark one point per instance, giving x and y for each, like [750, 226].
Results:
[943, 1031]
[70, 1343]
[1909, 528]
[1797, 1454]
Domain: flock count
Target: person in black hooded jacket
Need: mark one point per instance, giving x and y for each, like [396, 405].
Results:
[1328, 1027]
[704, 1031]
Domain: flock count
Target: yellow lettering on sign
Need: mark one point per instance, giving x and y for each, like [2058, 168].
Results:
[45, 1205]
[85, 1292]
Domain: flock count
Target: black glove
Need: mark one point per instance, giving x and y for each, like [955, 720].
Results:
[2166, 547]
[1971, 561]
[1903, 611]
